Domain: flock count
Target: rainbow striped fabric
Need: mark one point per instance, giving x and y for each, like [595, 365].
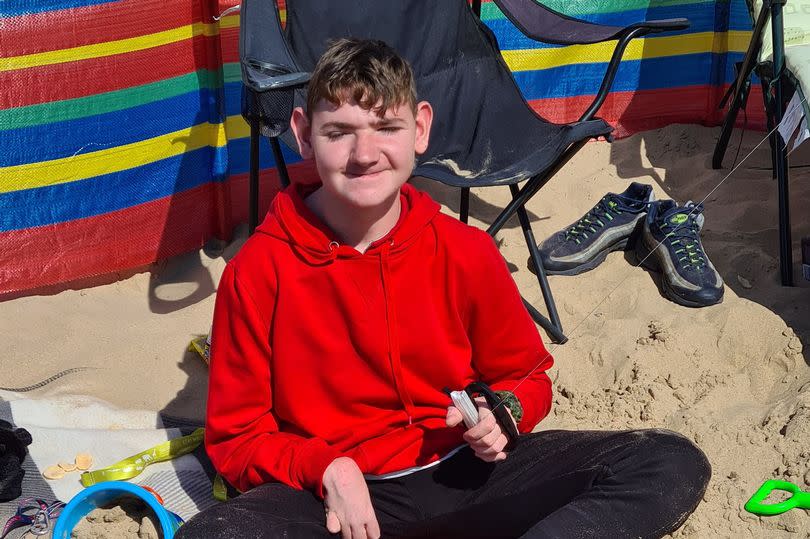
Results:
[121, 141]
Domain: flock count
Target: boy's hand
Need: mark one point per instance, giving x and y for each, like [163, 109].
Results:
[486, 438]
[347, 501]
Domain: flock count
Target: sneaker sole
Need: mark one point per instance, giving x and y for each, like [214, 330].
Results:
[647, 259]
[624, 244]
[592, 263]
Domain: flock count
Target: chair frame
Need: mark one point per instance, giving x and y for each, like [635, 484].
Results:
[738, 95]
[520, 196]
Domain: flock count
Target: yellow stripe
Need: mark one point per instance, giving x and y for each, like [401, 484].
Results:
[229, 21]
[97, 50]
[88, 165]
[236, 127]
[638, 49]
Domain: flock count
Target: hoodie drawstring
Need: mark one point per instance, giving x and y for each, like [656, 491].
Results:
[393, 334]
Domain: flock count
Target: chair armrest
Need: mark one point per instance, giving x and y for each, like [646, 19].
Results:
[266, 61]
[543, 24]
[268, 94]
[662, 25]
[548, 26]
[263, 76]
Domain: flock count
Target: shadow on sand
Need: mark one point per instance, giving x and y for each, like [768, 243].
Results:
[740, 231]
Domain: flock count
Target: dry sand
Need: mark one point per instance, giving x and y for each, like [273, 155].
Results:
[732, 377]
[125, 518]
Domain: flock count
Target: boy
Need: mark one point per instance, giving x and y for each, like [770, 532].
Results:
[342, 319]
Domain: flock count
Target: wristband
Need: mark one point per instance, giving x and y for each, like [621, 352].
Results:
[511, 401]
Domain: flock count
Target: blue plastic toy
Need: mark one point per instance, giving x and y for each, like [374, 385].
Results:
[105, 493]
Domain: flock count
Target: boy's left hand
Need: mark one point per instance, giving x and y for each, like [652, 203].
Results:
[486, 438]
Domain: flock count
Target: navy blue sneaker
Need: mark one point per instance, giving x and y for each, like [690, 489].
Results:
[607, 227]
[670, 243]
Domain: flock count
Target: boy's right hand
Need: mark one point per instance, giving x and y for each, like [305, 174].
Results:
[347, 501]
[487, 439]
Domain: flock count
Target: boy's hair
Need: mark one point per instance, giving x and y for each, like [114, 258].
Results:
[368, 71]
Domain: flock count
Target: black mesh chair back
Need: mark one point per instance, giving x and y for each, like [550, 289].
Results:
[484, 132]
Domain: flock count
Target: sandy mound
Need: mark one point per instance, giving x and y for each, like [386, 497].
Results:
[127, 518]
[732, 377]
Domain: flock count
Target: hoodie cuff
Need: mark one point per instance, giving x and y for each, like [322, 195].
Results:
[314, 462]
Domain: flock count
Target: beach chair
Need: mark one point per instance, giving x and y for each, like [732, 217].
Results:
[781, 59]
[484, 133]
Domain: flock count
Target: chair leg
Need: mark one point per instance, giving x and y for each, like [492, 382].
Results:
[281, 166]
[253, 200]
[284, 177]
[553, 326]
[519, 198]
[556, 333]
[737, 103]
[531, 187]
[780, 172]
[780, 153]
[740, 88]
[464, 205]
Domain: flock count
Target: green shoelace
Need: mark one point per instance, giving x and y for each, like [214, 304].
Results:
[685, 239]
[592, 221]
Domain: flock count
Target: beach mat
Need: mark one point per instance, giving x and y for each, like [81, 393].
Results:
[63, 426]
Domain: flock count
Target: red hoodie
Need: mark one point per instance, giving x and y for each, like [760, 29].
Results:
[319, 351]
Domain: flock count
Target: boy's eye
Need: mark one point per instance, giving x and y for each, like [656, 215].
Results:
[389, 130]
[334, 135]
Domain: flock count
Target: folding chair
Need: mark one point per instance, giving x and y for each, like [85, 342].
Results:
[775, 80]
[484, 133]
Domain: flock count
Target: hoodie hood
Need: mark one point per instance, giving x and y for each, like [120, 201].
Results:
[291, 221]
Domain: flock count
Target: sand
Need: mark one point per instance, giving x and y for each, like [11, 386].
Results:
[125, 518]
[733, 377]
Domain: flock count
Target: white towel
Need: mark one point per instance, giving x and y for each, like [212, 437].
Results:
[65, 425]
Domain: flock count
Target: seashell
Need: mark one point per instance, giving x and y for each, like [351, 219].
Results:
[84, 461]
[53, 472]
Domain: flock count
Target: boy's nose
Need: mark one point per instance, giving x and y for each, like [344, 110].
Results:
[365, 150]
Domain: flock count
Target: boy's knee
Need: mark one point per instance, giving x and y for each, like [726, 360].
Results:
[683, 466]
[226, 520]
[213, 522]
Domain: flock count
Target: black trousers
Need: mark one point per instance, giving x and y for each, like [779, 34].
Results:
[578, 484]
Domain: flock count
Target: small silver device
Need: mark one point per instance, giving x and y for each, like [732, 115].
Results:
[466, 406]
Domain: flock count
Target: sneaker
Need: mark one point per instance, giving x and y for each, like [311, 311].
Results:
[670, 243]
[607, 227]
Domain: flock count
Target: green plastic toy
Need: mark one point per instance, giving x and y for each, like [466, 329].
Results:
[797, 499]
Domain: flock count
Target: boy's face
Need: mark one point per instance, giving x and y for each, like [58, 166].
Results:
[363, 159]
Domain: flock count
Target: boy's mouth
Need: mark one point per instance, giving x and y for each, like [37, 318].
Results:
[370, 174]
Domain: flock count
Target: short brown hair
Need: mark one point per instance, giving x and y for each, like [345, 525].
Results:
[368, 71]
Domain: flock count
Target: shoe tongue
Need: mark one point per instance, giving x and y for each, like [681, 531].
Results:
[617, 202]
[678, 218]
[678, 215]
[697, 213]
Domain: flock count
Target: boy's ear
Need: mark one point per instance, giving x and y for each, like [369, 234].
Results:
[424, 119]
[302, 131]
